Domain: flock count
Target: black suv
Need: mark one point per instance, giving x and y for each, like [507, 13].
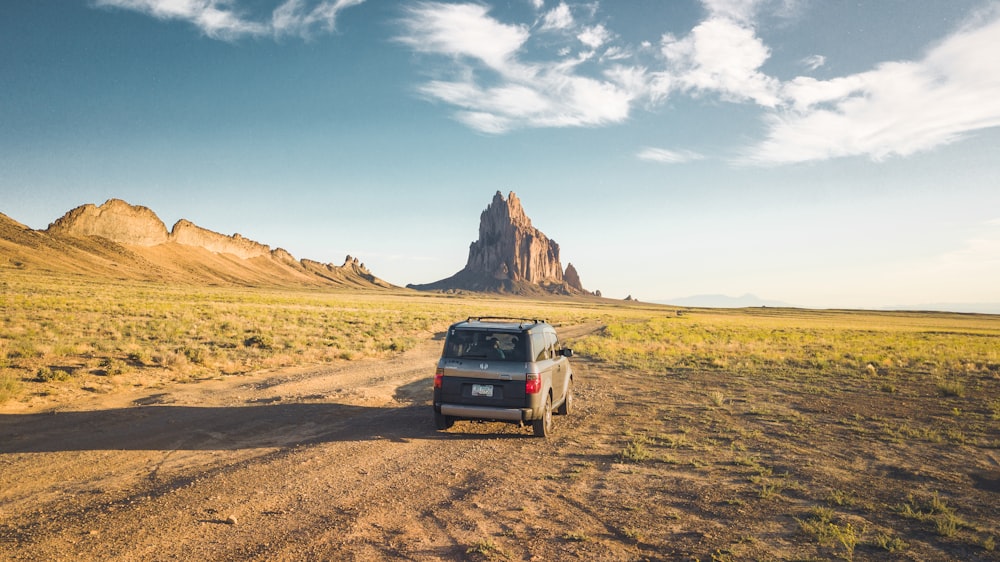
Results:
[503, 369]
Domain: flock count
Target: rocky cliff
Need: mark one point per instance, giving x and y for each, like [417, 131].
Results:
[135, 225]
[115, 220]
[127, 241]
[189, 234]
[510, 256]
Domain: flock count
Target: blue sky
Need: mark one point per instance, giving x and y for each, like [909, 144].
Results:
[821, 153]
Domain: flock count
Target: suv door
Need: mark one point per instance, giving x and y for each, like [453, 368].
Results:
[545, 360]
[558, 367]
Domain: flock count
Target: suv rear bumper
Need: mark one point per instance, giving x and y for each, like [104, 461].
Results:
[486, 412]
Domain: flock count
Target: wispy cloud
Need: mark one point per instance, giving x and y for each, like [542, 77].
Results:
[297, 17]
[496, 89]
[734, 10]
[666, 156]
[493, 89]
[813, 62]
[499, 77]
[225, 20]
[558, 18]
[896, 109]
[215, 18]
[463, 31]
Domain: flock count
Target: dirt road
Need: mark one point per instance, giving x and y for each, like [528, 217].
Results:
[332, 462]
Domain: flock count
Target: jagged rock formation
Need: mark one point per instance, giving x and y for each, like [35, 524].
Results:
[510, 256]
[572, 278]
[126, 241]
[351, 273]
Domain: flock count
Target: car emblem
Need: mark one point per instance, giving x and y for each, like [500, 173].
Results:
[484, 366]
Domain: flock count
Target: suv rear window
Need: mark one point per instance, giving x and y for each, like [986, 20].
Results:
[485, 344]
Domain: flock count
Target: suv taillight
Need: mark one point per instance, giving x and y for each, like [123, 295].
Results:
[532, 383]
[438, 375]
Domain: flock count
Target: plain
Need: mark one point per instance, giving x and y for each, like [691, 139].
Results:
[153, 421]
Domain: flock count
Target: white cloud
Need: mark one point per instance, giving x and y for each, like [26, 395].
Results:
[485, 122]
[221, 19]
[735, 10]
[615, 53]
[594, 36]
[463, 30]
[215, 18]
[745, 11]
[494, 91]
[558, 18]
[721, 56]
[896, 109]
[666, 156]
[295, 18]
[724, 57]
[813, 62]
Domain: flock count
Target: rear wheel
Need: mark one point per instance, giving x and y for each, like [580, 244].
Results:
[567, 406]
[442, 421]
[543, 427]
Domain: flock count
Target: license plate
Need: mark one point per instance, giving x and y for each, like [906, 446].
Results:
[482, 390]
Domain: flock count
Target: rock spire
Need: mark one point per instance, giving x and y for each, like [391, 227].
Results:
[511, 256]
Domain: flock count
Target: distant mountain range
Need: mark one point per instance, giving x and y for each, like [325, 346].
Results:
[963, 307]
[723, 301]
[749, 301]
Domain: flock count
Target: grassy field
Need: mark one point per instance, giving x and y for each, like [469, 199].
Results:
[59, 332]
[64, 331]
[870, 434]
[836, 343]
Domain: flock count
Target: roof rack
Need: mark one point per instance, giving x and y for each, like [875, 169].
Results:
[521, 321]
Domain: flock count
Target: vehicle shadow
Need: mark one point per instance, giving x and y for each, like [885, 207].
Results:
[248, 426]
[175, 427]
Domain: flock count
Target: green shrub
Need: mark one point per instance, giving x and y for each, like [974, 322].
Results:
[196, 355]
[820, 525]
[48, 374]
[488, 549]
[139, 357]
[632, 533]
[259, 341]
[890, 543]
[113, 367]
[635, 450]
[951, 388]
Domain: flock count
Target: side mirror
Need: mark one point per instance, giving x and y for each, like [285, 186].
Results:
[566, 352]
